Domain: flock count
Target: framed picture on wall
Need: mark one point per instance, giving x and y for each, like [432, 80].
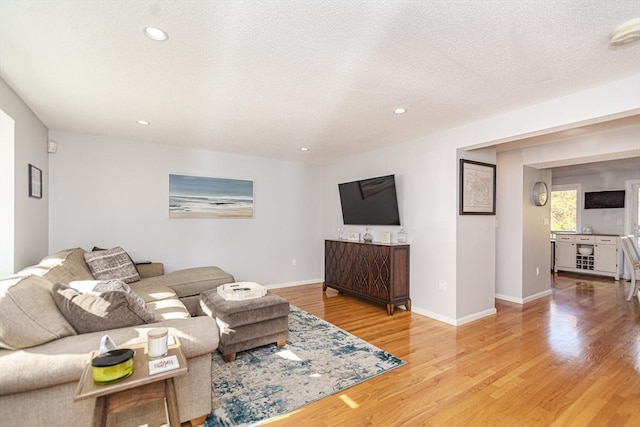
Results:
[477, 188]
[206, 197]
[35, 182]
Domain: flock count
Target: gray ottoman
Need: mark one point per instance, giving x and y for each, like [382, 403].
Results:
[247, 324]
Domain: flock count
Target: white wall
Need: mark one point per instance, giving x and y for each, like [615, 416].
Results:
[107, 192]
[427, 209]
[428, 167]
[536, 252]
[523, 239]
[510, 238]
[475, 256]
[603, 221]
[31, 215]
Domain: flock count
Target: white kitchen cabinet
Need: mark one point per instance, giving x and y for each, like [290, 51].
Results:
[565, 253]
[601, 257]
[605, 255]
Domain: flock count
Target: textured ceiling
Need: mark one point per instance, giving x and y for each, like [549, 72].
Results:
[265, 78]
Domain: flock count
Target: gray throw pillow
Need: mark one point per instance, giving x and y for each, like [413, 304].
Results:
[112, 264]
[111, 305]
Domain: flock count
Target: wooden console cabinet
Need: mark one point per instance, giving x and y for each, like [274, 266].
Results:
[375, 271]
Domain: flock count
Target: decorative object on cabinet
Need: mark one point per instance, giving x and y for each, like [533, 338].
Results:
[402, 236]
[385, 237]
[205, 197]
[540, 193]
[373, 271]
[477, 188]
[35, 182]
[353, 236]
[367, 237]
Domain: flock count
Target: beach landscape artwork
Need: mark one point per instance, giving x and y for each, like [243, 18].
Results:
[203, 197]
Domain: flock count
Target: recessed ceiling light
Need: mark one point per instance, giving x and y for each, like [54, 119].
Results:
[625, 33]
[399, 111]
[143, 123]
[304, 149]
[156, 34]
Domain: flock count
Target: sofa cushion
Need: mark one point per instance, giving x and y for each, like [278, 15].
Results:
[112, 264]
[116, 306]
[64, 266]
[194, 281]
[29, 314]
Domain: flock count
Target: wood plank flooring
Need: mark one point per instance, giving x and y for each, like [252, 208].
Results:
[569, 359]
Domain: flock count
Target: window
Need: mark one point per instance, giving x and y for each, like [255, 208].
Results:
[7, 194]
[565, 203]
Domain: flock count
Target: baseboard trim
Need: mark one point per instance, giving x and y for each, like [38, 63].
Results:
[414, 309]
[297, 283]
[524, 300]
[434, 316]
[537, 296]
[509, 298]
[476, 316]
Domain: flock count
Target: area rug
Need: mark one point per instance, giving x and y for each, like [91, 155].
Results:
[319, 360]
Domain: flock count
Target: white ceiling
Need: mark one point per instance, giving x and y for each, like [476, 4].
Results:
[266, 78]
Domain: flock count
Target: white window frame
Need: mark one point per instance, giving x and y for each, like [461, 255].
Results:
[578, 188]
[7, 194]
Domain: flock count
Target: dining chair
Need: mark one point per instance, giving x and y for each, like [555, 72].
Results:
[633, 260]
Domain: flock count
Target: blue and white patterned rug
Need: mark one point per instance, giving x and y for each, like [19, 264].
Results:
[319, 360]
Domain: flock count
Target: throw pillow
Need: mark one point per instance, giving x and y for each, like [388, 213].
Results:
[117, 306]
[112, 264]
[28, 314]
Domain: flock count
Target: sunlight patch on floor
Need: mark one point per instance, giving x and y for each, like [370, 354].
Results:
[289, 355]
[349, 402]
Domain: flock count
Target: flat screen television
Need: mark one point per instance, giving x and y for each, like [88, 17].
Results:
[370, 201]
[604, 199]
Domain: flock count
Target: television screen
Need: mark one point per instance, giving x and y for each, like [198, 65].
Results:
[370, 201]
[604, 199]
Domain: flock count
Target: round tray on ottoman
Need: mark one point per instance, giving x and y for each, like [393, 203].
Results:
[241, 291]
[249, 323]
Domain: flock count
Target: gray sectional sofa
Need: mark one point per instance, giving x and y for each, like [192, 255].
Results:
[42, 356]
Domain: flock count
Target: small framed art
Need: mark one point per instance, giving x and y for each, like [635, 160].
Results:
[477, 188]
[35, 182]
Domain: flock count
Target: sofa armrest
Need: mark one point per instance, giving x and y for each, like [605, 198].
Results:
[62, 361]
[150, 269]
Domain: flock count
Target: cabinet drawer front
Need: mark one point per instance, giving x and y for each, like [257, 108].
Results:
[607, 240]
[586, 239]
[565, 238]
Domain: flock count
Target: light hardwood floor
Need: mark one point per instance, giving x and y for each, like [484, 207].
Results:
[569, 359]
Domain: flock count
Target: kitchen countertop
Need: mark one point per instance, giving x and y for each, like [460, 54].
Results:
[590, 234]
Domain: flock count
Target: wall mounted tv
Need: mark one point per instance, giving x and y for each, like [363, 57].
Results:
[370, 201]
[604, 199]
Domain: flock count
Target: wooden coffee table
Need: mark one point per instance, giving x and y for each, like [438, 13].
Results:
[138, 389]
